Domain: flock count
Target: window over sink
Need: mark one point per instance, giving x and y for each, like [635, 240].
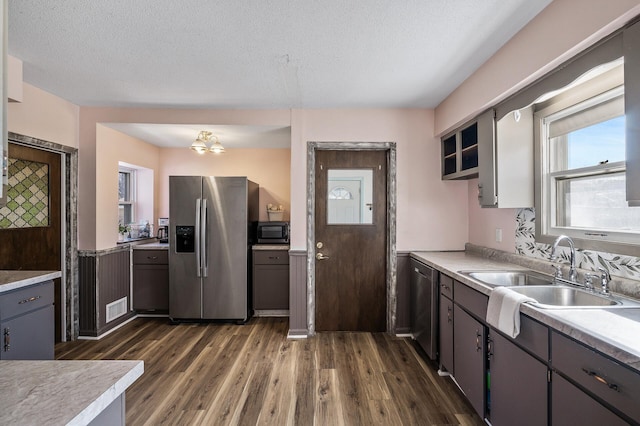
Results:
[581, 160]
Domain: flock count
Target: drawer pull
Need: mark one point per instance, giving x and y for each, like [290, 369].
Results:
[31, 299]
[274, 257]
[152, 257]
[478, 345]
[7, 340]
[446, 287]
[601, 379]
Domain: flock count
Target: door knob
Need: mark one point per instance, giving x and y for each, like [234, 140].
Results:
[321, 256]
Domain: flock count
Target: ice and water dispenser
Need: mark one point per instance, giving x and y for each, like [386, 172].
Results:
[185, 239]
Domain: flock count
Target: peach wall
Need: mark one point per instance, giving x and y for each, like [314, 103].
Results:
[270, 168]
[483, 223]
[431, 213]
[44, 116]
[111, 148]
[560, 31]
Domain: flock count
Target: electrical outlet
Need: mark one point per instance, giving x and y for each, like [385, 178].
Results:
[498, 235]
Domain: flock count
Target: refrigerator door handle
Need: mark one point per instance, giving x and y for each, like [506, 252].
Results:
[197, 237]
[203, 240]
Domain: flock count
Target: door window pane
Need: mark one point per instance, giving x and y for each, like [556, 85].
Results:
[27, 195]
[350, 196]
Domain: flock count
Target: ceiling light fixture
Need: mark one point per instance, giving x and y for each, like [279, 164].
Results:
[200, 144]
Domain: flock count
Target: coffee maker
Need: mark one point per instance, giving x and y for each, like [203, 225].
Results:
[163, 230]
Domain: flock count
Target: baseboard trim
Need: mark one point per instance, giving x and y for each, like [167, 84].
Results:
[271, 313]
[404, 335]
[111, 330]
[297, 334]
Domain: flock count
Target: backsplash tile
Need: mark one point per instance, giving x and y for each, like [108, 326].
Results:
[616, 264]
[27, 195]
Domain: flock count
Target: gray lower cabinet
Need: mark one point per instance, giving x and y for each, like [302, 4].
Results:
[151, 281]
[27, 323]
[270, 280]
[595, 379]
[518, 393]
[570, 406]
[469, 357]
[445, 328]
[446, 334]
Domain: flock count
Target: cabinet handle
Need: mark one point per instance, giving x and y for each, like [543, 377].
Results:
[446, 287]
[152, 257]
[7, 339]
[449, 314]
[489, 348]
[31, 299]
[478, 344]
[274, 257]
[601, 379]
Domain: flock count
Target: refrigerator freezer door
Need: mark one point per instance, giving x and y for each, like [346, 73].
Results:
[224, 288]
[185, 289]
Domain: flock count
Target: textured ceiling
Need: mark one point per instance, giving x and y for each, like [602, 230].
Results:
[259, 53]
[256, 54]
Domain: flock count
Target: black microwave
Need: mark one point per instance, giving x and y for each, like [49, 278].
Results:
[273, 232]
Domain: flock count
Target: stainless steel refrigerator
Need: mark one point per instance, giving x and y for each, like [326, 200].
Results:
[211, 230]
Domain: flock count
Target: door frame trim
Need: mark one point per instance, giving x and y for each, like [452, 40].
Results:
[69, 228]
[391, 279]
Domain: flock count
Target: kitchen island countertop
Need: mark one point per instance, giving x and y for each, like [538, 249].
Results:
[62, 392]
[13, 280]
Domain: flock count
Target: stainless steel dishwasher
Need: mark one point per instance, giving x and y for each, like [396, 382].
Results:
[424, 307]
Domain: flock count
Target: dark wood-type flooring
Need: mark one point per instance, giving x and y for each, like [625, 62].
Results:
[223, 374]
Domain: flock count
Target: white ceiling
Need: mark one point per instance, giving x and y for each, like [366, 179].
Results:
[257, 53]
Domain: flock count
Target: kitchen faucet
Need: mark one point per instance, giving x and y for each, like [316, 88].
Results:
[572, 259]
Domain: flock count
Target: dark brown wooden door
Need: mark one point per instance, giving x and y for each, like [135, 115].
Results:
[350, 285]
[36, 243]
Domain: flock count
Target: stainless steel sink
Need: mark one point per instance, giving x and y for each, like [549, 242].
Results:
[566, 297]
[509, 278]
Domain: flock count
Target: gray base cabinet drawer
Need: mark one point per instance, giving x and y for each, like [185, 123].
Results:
[27, 299]
[150, 257]
[446, 286]
[534, 337]
[613, 383]
[473, 301]
[572, 407]
[273, 257]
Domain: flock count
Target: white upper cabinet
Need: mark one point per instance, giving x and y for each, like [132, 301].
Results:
[505, 159]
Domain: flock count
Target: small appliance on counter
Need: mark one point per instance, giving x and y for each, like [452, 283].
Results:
[163, 230]
[273, 233]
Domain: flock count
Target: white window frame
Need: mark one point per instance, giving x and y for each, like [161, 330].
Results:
[546, 198]
[132, 192]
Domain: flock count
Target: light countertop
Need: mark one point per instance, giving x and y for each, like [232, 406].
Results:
[612, 331]
[61, 392]
[152, 246]
[13, 280]
[271, 247]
